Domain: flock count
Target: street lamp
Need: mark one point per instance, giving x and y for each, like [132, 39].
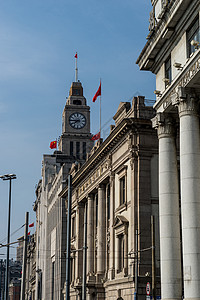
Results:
[9, 177]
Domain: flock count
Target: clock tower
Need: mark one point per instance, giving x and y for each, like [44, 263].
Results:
[76, 137]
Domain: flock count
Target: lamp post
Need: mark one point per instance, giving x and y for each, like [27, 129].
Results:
[9, 177]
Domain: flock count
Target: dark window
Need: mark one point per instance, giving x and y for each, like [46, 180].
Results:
[78, 150]
[121, 253]
[84, 150]
[73, 227]
[71, 148]
[168, 71]
[108, 201]
[122, 190]
[193, 34]
[77, 102]
[76, 92]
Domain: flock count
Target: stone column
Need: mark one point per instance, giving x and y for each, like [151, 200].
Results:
[90, 237]
[190, 194]
[112, 233]
[126, 253]
[101, 232]
[170, 253]
[79, 243]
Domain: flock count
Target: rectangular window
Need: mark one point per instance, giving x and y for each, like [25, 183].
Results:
[78, 150]
[84, 150]
[168, 72]
[193, 34]
[121, 253]
[73, 227]
[108, 201]
[122, 183]
[71, 148]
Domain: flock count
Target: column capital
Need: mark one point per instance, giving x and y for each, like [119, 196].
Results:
[112, 176]
[101, 186]
[164, 125]
[90, 196]
[186, 100]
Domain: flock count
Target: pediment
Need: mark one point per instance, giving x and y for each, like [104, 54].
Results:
[120, 221]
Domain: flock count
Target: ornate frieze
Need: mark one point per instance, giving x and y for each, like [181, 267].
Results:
[192, 71]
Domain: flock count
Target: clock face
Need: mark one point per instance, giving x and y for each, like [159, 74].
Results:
[77, 120]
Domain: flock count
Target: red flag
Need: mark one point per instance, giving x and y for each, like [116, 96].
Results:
[31, 225]
[53, 145]
[76, 55]
[96, 137]
[98, 93]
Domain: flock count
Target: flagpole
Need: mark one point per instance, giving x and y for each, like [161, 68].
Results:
[76, 68]
[100, 112]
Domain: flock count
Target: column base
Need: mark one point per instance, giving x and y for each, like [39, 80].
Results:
[90, 279]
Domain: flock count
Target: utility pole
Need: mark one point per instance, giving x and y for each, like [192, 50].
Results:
[0, 276]
[84, 255]
[153, 258]
[9, 177]
[136, 265]
[68, 257]
[22, 295]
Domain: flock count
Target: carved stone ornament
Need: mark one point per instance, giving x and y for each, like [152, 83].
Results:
[186, 101]
[164, 125]
[164, 3]
[188, 107]
[152, 20]
[165, 130]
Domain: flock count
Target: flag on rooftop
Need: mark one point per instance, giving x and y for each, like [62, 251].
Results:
[96, 137]
[98, 93]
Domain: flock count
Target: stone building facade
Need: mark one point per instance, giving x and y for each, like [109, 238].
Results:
[117, 186]
[73, 145]
[172, 53]
[30, 286]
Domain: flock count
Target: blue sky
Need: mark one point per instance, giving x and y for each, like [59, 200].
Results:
[38, 40]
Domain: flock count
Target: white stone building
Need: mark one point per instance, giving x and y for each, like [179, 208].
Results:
[172, 53]
[118, 185]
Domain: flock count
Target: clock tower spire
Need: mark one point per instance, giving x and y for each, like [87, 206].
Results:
[76, 137]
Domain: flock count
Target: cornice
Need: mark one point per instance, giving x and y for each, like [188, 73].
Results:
[115, 136]
[161, 32]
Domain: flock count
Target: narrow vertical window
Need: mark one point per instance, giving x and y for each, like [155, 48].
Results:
[193, 35]
[121, 253]
[108, 201]
[168, 71]
[71, 148]
[73, 227]
[84, 150]
[78, 150]
[122, 190]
